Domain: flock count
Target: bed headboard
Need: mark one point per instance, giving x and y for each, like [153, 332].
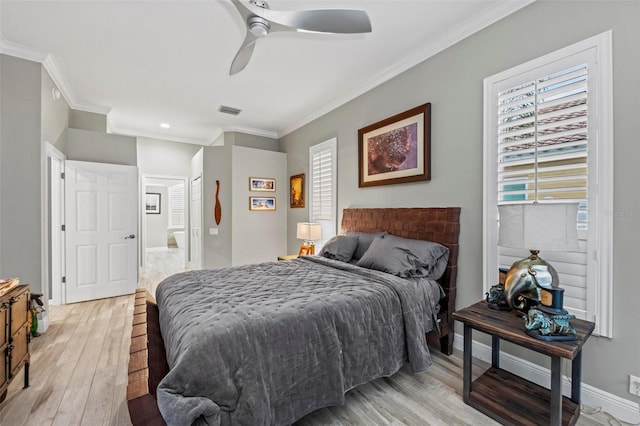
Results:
[437, 224]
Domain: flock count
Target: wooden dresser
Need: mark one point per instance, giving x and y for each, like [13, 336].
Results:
[14, 336]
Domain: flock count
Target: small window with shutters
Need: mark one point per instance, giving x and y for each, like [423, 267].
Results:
[176, 206]
[548, 139]
[322, 188]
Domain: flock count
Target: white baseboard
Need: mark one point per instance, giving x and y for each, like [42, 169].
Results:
[620, 408]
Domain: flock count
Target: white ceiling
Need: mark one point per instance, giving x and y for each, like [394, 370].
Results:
[149, 62]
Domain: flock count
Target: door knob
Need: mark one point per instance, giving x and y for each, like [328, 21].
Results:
[132, 236]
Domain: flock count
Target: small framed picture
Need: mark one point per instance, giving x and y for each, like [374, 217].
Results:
[262, 184]
[297, 191]
[152, 203]
[262, 203]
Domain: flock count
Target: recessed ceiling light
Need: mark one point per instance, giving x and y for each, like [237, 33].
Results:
[165, 125]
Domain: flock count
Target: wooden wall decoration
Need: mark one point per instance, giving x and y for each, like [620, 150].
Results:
[217, 213]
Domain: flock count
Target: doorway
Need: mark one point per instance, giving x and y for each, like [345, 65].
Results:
[53, 248]
[164, 220]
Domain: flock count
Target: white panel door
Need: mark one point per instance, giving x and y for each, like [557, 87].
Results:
[101, 225]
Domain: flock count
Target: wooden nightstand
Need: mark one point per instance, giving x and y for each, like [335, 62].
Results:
[511, 399]
[288, 257]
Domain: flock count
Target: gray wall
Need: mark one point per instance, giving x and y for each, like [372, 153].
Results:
[55, 114]
[251, 141]
[88, 145]
[157, 223]
[219, 164]
[258, 236]
[452, 82]
[20, 168]
[88, 121]
[216, 251]
[165, 158]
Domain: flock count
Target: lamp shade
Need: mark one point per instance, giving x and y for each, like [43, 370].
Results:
[539, 226]
[309, 231]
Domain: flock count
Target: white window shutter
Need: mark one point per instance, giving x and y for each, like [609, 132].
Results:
[176, 206]
[322, 187]
[542, 157]
[548, 139]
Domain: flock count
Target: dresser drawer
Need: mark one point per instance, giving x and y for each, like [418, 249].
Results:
[4, 377]
[4, 320]
[19, 350]
[19, 310]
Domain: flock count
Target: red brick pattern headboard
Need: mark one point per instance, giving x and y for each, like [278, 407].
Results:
[437, 224]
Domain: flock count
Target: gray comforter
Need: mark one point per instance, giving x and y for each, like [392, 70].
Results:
[268, 343]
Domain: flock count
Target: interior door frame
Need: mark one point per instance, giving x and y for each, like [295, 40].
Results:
[142, 220]
[52, 260]
[193, 264]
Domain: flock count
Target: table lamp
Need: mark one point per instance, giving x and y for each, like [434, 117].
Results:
[309, 232]
[550, 226]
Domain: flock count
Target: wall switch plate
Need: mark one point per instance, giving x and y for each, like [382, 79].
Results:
[213, 231]
[634, 385]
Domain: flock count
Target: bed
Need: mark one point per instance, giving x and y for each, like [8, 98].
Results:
[269, 343]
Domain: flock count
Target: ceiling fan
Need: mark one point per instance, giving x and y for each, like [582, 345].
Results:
[261, 21]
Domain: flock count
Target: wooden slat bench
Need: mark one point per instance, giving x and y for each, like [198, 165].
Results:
[147, 362]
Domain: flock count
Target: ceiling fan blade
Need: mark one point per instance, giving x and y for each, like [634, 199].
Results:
[244, 54]
[243, 8]
[338, 21]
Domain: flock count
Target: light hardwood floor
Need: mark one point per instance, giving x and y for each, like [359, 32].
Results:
[159, 265]
[79, 375]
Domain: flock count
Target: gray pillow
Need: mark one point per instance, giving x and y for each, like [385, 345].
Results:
[340, 247]
[364, 241]
[406, 258]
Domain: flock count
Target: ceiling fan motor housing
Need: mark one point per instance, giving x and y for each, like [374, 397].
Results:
[258, 26]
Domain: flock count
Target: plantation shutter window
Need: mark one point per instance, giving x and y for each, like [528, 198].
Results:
[322, 188]
[542, 158]
[547, 140]
[176, 206]
[542, 139]
[321, 185]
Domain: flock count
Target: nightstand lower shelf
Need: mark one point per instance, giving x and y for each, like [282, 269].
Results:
[508, 398]
[513, 400]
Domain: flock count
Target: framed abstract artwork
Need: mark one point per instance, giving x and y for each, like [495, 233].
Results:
[296, 189]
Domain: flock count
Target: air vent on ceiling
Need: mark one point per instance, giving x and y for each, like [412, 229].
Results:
[229, 110]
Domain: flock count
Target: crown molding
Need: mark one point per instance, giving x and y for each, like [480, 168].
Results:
[462, 31]
[114, 129]
[252, 131]
[50, 65]
[20, 51]
[214, 137]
